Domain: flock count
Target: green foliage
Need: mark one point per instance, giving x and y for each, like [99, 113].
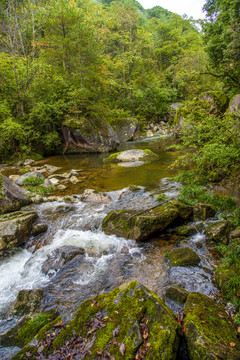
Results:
[33, 181]
[41, 190]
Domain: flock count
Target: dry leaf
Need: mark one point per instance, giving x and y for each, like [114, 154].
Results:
[122, 348]
[232, 344]
[148, 344]
[145, 335]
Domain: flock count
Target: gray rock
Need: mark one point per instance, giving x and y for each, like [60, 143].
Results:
[28, 162]
[15, 228]
[39, 228]
[13, 196]
[14, 177]
[203, 211]
[54, 181]
[234, 104]
[91, 195]
[132, 156]
[33, 174]
[126, 129]
[38, 199]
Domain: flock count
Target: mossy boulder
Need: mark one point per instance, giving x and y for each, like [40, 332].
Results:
[186, 230]
[15, 228]
[235, 236]
[209, 333]
[203, 211]
[177, 294]
[12, 196]
[86, 135]
[127, 129]
[28, 301]
[22, 333]
[219, 231]
[183, 257]
[234, 105]
[122, 324]
[124, 223]
[131, 156]
[28, 178]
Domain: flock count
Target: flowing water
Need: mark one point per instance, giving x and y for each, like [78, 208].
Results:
[108, 261]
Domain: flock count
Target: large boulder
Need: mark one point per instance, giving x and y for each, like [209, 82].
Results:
[183, 257]
[126, 129]
[132, 156]
[30, 177]
[209, 333]
[15, 228]
[85, 135]
[12, 196]
[130, 322]
[140, 226]
[234, 105]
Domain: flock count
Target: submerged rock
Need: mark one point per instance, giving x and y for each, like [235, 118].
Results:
[177, 294]
[219, 231]
[209, 332]
[127, 323]
[28, 301]
[39, 228]
[96, 196]
[203, 211]
[15, 228]
[13, 197]
[132, 156]
[140, 226]
[183, 257]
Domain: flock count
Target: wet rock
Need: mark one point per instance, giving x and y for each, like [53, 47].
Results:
[235, 236]
[51, 199]
[185, 211]
[30, 175]
[209, 332]
[22, 333]
[203, 211]
[73, 180]
[28, 301]
[131, 156]
[54, 181]
[14, 177]
[91, 195]
[183, 257]
[28, 162]
[87, 135]
[15, 228]
[59, 257]
[219, 231]
[187, 230]
[62, 187]
[126, 323]
[126, 129]
[38, 199]
[70, 199]
[126, 224]
[39, 228]
[177, 294]
[13, 196]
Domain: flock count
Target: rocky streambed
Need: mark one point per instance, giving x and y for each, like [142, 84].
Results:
[79, 258]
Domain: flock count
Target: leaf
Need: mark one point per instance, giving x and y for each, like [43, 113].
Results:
[122, 348]
[115, 332]
[221, 316]
[232, 344]
[145, 335]
[148, 344]
[161, 327]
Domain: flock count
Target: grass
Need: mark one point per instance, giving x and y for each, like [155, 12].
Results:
[41, 190]
[33, 181]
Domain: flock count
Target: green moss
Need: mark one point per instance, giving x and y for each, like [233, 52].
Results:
[186, 230]
[111, 158]
[183, 257]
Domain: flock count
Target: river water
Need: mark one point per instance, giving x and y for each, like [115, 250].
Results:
[108, 261]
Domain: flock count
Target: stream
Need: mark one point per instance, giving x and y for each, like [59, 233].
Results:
[108, 261]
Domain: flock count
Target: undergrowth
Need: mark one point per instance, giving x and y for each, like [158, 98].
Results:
[33, 181]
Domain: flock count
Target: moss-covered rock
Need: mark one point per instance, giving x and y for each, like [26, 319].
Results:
[219, 231]
[28, 301]
[177, 294]
[126, 129]
[203, 211]
[15, 228]
[234, 105]
[131, 156]
[183, 257]
[186, 230]
[209, 332]
[128, 321]
[22, 333]
[124, 223]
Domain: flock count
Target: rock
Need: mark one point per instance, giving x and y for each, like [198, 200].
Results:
[183, 257]
[91, 195]
[61, 176]
[172, 110]
[209, 332]
[14, 177]
[59, 257]
[177, 294]
[38, 199]
[219, 231]
[144, 225]
[28, 162]
[62, 187]
[28, 301]
[54, 181]
[86, 135]
[203, 211]
[15, 228]
[70, 199]
[126, 323]
[234, 105]
[22, 333]
[131, 156]
[39, 228]
[47, 183]
[51, 199]
[235, 236]
[73, 180]
[28, 176]
[126, 129]
[185, 211]
[187, 230]
[13, 196]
